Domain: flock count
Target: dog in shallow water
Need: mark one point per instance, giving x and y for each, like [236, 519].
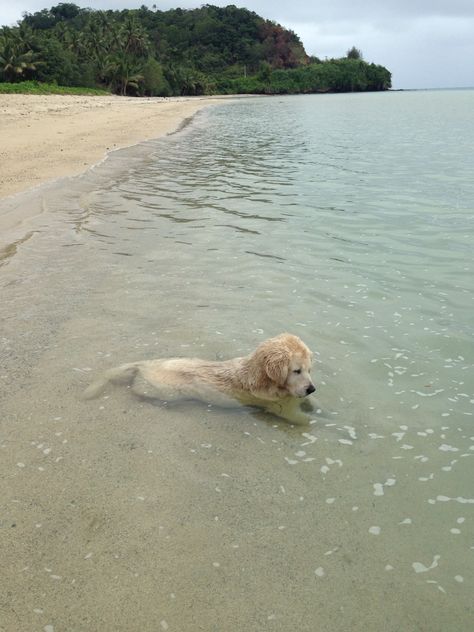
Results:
[275, 377]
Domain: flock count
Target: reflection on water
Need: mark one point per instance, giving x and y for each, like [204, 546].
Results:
[346, 220]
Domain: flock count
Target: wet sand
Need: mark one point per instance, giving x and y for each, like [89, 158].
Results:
[45, 137]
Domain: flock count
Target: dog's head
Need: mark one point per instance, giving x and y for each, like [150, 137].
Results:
[285, 362]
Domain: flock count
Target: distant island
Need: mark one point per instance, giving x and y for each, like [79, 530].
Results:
[148, 52]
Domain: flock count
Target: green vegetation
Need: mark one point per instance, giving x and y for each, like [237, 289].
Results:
[336, 75]
[178, 52]
[35, 87]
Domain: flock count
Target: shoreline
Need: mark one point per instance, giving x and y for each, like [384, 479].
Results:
[49, 137]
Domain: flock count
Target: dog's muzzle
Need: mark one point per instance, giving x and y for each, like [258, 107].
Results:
[311, 388]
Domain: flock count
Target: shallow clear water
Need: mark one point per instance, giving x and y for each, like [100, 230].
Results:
[346, 219]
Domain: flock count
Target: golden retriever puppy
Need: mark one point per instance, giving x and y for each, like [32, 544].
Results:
[274, 377]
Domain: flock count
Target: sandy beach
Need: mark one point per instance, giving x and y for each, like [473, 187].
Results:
[45, 137]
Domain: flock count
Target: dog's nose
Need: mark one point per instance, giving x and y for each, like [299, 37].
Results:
[310, 389]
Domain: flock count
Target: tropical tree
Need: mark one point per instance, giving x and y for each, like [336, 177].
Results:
[66, 36]
[154, 82]
[143, 51]
[133, 37]
[16, 59]
[124, 73]
[354, 53]
[65, 11]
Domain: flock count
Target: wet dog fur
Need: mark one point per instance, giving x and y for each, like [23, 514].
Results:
[275, 377]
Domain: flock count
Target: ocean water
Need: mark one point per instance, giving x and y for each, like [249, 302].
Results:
[345, 219]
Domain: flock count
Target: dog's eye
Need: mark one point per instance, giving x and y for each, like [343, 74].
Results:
[297, 371]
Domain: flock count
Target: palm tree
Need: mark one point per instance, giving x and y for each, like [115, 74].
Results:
[124, 72]
[67, 36]
[134, 38]
[16, 58]
[25, 34]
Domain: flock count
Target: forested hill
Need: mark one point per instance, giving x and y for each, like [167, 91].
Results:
[150, 52]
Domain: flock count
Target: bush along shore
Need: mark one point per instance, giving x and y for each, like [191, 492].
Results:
[147, 52]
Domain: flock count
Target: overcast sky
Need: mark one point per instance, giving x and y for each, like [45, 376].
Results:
[424, 43]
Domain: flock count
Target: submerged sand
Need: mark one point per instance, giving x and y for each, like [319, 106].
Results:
[123, 515]
[45, 137]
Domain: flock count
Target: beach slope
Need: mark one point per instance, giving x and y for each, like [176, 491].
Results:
[46, 137]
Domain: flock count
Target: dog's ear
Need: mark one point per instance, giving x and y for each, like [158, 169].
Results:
[277, 361]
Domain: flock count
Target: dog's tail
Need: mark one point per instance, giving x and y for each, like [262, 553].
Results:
[123, 374]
